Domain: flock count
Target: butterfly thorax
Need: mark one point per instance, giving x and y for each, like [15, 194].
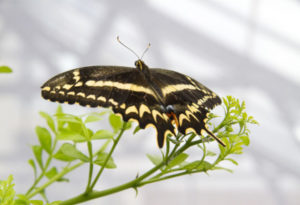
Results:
[140, 65]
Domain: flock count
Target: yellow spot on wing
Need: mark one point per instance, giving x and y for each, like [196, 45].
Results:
[46, 88]
[61, 92]
[121, 86]
[203, 100]
[155, 113]
[78, 84]
[91, 97]
[195, 105]
[123, 106]
[131, 109]
[192, 109]
[165, 117]
[177, 87]
[101, 98]
[67, 86]
[81, 94]
[188, 114]
[71, 93]
[182, 117]
[150, 125]
[190, 129]
[76, 76]
[143, 109]
[113, 102]
[133, 120]
[166, 133]
[90, 83]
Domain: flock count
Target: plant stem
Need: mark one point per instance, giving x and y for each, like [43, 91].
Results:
[54, 179]
[90, 148]
[43, 170]
[107, 158]
[97, 194]
[131, 184]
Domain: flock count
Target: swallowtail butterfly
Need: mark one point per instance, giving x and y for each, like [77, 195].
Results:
[153, 97]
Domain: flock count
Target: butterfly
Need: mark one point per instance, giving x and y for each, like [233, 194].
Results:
[163, 99]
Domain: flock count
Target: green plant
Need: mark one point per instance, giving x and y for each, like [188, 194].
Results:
[65, 131]
[7, 192]
[5, 69]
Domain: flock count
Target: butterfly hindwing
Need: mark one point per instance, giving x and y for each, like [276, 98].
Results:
[189, 99]
[181, 89]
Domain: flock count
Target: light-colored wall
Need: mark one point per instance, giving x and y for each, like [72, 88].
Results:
[249, 49]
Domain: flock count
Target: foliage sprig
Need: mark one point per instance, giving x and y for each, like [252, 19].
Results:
[59, 142]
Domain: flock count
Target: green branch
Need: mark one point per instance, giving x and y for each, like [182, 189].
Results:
[173, 162]
[116, 141]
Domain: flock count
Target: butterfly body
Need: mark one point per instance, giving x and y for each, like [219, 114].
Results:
[152, 97]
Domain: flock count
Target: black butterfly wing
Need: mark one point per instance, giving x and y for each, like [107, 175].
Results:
[190, 99]
[75, 86]
[183, 90]
[124, 89]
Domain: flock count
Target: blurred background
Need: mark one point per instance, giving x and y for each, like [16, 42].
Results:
[249, 49]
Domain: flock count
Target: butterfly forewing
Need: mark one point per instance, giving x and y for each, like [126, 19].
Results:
[124, 89]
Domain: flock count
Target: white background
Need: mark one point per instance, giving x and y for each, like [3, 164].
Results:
[249, 49]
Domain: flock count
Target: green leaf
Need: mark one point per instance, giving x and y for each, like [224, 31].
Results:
[137, 128]
[210, 153]
[38, 151]
[128, 125]
[32, 164]
[36, 202]
[49, 120]
[92, 118]
[222, 168]
[22, 200]
[245, 140]
[233, 161]
[51, 173]
[103, 134]
[69, 152]
[55, 203]
[7, 192]
[237, 150]
[63, 179]
[67, 134]
[76, 127]
[68, 118]
[5, 69]
[115, 122]
[44, 138]
[155, 159]
[59, 155]
[102, 158]
[198, 165]
[59, 110]
[178, 160]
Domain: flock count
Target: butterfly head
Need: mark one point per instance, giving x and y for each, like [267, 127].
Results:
[140, 65]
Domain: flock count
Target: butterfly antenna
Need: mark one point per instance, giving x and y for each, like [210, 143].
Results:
[118, 39]
[146, 50]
